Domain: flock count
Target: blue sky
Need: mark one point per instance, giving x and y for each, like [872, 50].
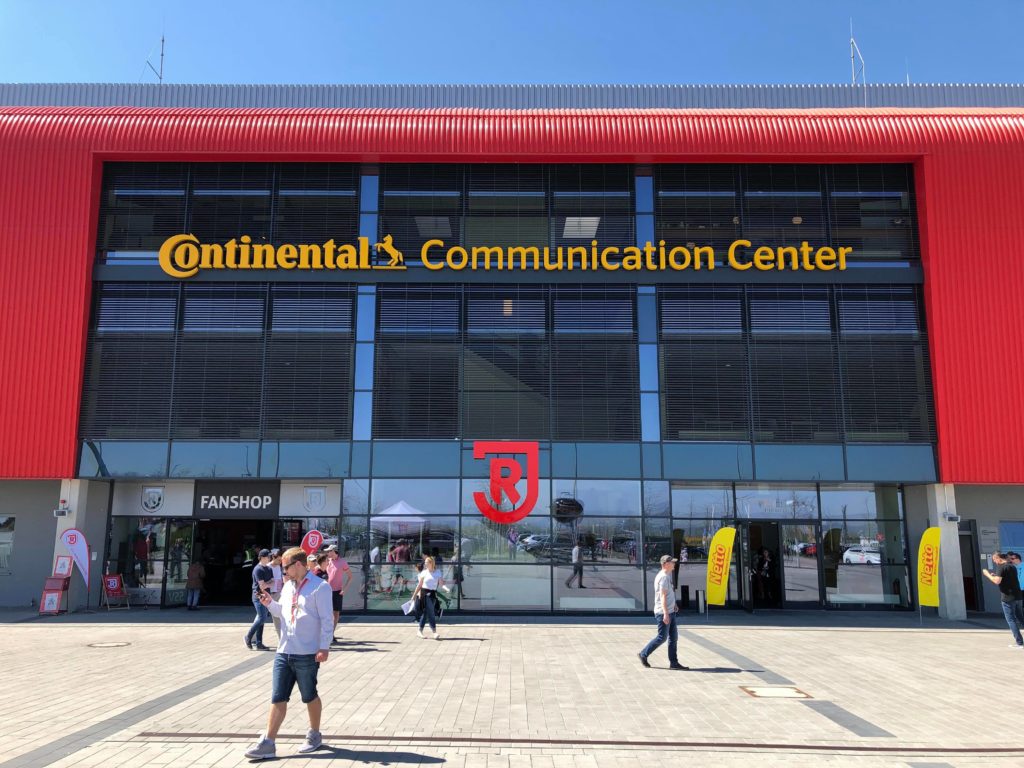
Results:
[524, 41]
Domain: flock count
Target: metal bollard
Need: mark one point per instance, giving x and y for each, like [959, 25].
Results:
[702, 601]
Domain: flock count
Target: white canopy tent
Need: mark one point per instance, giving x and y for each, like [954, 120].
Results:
[400, 521]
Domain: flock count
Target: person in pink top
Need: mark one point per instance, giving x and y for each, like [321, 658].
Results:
[339, 576]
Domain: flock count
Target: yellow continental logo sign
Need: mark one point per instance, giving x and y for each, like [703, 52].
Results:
[185, 256]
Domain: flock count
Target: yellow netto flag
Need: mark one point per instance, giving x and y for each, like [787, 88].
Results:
[928, 567]
[718, 565]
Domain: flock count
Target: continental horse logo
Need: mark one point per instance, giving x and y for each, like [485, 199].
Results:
[388, 247]
[503, 485]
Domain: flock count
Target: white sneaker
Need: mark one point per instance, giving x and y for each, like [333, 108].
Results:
[1016, 647]
[437, 636]
[264, 749]
[420, 633]
[312, 743]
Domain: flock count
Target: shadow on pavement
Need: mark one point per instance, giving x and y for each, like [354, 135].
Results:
[365, 756]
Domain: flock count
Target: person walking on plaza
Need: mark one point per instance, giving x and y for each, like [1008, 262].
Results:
[276, 587]
[427, 584]
[665, 616]
[262, 579]
[339, 576]
[194, 584]
[1005, 578]
[577, 566]
[1015, 561]
[307, 621]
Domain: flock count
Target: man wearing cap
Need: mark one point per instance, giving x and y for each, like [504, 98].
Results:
[305, 613]
[262, 579]
[664, 615]
[339, 575]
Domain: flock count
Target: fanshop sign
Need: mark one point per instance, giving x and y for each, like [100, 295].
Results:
[229, 499]
[183, 256]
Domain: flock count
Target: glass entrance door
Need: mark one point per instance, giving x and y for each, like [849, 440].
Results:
[759, 568]
[800, 572]
[177, 556]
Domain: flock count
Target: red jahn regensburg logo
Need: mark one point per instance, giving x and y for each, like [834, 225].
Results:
[717, 564]
[928, 569]
[504, 485]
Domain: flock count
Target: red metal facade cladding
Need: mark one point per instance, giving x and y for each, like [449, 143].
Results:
[969, 169]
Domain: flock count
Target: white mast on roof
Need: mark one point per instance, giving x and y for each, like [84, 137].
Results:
[159, 74]
[854, 72]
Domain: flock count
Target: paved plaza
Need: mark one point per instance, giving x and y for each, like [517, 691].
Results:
[173, 688]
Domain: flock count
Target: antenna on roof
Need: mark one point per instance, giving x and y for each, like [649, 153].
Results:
[159, 74]
[854, 72]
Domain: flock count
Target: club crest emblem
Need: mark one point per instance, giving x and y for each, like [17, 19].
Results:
[152, 498]
[314, 499]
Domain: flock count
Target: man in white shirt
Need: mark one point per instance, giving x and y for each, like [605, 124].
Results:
[307, 623]
[577, 567]
[665, 615]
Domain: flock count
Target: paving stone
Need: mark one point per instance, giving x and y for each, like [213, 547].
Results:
[526, 694]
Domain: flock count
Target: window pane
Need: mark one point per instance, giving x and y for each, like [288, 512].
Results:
[414, 498]
[137, 553]
[592, 202]
[793, 502]
[873, 211]
[6, 543]
[602, 497]
[113, 458]
[608, 588]
[793, 369]
[861, 501]
[142, 204]
[691, 541]
[512, 587]
[704, 378]
[783, 204]
[195, 459]
[702, 501]
[885, 365]
[353, 545]
[287, 459]
[527, 541]
[506, 206]
[697, 205]
[421, 202]
[471, 486]
[656, 498]
[316, 202]
[230, 200]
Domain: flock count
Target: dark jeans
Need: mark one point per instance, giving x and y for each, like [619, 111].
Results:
[665, 632]
[577, 573]
[255, 633]
[1009, 609]
[193, 598]
[427, 610]
[292, 668]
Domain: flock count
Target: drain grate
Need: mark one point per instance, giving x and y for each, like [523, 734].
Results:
[774, 692]
[108, 645]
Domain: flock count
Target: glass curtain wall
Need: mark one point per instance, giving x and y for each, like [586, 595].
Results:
[594, 545]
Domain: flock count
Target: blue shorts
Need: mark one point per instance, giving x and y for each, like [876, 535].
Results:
[289, 669]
